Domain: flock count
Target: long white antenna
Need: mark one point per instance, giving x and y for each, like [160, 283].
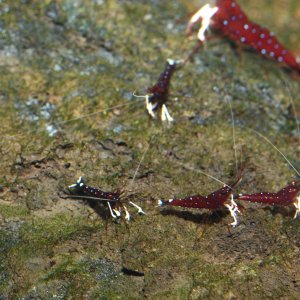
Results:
[201, 172]
[140, 162]
[291, 98]
[266, 139]
[233, 133]
[78, 118]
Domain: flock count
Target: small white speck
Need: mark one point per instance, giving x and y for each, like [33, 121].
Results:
[233, 4]
[51, 129]
[57, 68]
[225, 22]
[272, 54]
[280, 59]
[243, 39]
[148, 17]
[263, 51]
[246, 26]
[262, 35]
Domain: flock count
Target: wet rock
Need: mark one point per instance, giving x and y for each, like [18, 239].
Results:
[52, 290]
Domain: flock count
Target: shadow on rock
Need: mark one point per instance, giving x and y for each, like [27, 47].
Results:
[202, 218]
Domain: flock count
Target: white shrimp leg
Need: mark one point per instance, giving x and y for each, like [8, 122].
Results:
[111, 211]
[140, 211]
[165, 115]
[117, 212]
[127, 214]
[149, 107]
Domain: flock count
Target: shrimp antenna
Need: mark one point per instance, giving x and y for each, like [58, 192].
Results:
[138, 96]
[202, 172]
[266, 139]
[233, 133]
[291, 98]
[83, 197]
[75, 119]
[140, 162]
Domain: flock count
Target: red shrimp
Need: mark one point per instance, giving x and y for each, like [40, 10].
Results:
[229, 19]
[159, 93]
[213, 201]
[113, 199]
[285, 196]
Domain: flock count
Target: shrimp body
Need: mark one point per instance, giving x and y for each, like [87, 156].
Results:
[158, 94]
[112, 199]
[213, 201]
[83, 189]
[286, 196]
[231, 21]
[160, 91]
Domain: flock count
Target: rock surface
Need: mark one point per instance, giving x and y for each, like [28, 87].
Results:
[68, 69]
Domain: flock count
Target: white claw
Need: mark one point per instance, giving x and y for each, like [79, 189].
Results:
[78, 182]
[140, 211]
[72, 186]
[127, 214]
[160, 203]
[117, 212]
[233, 209]
[165, 116]
[149, 107]
[206, 12]
[297, 205]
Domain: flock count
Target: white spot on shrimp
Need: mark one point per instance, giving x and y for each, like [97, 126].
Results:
[171, 61]
[233, 4]
[280, 59]
[225, 22]
[272, 54]
[262, 35]
[243, 39]
[263, 51]
[246, 26]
